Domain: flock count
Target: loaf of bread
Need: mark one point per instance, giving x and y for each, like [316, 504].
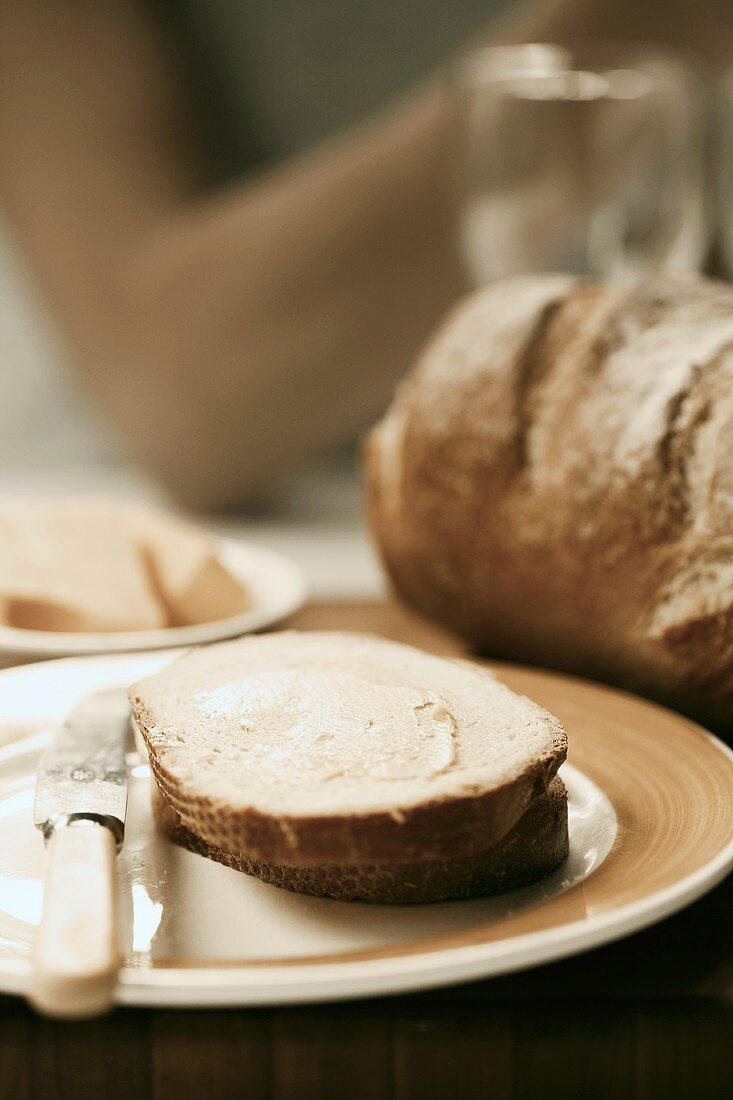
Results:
[554, 481]
[339, 756]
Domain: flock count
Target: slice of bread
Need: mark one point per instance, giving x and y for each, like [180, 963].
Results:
[533, 848]
[317, 748]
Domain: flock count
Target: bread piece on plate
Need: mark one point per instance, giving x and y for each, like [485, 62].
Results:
[67, 565]
[533, 848]
[306, 749]
[99, 564]
[554, 481]
[192, 584]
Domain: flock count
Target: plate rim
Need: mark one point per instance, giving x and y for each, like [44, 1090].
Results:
[434, 967]
[403, 973]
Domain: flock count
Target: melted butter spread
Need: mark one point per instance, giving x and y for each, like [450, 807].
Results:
[285, 724]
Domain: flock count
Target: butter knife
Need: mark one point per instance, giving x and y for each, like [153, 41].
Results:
[80, 805]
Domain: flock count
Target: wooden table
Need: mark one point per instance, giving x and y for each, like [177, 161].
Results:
[650, 1017]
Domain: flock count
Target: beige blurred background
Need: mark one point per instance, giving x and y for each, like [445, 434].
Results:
[226, 229]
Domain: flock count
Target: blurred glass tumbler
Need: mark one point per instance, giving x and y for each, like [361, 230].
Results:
[586, 161]
[725, 166]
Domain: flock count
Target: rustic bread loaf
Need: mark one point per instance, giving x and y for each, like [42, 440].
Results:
[319, 748]
[536, 844]
[555, 481]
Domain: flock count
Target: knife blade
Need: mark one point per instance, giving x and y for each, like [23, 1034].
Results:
[82, 773]
[80, 805]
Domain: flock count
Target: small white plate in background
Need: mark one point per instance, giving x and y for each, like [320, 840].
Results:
[277, 589]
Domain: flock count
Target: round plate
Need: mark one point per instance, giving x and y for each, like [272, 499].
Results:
[277, 588]
[651, 820]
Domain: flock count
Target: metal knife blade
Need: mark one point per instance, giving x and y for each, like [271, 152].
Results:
[82, 772]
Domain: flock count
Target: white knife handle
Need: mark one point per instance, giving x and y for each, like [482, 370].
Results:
[76, 957]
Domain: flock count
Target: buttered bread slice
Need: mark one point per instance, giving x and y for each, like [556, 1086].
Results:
[302, 749]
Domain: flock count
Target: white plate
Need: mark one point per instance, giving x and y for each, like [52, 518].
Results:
[277, 589]
[198, 933]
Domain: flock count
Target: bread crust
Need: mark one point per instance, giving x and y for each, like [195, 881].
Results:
[533, 848]
[437, 829]
[471, 818]
[560, 492]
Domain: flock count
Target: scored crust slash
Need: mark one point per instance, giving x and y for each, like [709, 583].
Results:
[554, 481]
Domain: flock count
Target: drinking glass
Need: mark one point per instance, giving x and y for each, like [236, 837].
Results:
[724, 150]
[583, 160]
